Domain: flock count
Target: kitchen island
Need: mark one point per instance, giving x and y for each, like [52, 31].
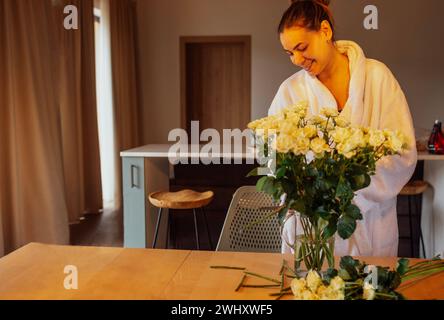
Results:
[147, 169]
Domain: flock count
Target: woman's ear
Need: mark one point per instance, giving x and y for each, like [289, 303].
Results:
[326, 30]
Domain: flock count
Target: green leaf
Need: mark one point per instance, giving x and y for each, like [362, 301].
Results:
[348, 262]
[253, 173]
[260, 183]
[324, 214]
[288, 186]
[403, 266]
[384, 277]
[330, 229]
[396, 280]
[354, 212]
[269, 186]
[361, 181]
[280, 173]
[343, 189]
[344, 275]
[299, 206]
[330, 274]
[348, 267]
[346, 226]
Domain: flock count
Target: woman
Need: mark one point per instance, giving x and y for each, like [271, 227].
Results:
[337, 74]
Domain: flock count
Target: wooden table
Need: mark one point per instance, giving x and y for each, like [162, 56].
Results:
[36, 271]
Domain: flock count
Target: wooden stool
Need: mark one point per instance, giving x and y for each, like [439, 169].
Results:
[184, 199]
[415, 189]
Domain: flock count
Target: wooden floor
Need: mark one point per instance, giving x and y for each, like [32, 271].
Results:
[104, 229]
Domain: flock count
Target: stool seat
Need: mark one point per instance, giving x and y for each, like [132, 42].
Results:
[184, 199]
[414, 188]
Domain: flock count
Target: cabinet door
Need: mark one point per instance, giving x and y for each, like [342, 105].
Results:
[134, 220]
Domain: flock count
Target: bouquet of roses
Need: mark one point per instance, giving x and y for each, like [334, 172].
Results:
[355, 280]
[317, 164]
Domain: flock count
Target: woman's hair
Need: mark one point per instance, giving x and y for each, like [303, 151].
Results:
[308, 14]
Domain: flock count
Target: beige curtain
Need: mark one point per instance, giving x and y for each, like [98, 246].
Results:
[78, 112]
[49, 156]
[127, 112]
[32, 186]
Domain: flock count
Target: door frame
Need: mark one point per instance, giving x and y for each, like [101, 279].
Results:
[184, 40]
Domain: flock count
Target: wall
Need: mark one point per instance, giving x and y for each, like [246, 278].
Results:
[409, 40]
[162, 22]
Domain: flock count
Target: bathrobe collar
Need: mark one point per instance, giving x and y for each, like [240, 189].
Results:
[320, 96]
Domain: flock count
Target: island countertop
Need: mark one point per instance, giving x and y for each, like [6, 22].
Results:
[162, 151]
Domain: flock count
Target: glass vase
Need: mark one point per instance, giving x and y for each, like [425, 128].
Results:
[311, 250]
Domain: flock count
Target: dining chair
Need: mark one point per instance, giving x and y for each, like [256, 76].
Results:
[246, 229]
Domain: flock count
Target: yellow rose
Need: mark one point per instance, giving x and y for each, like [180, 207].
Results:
[357, 138]
[316, 120]
[340, 135]
[321, 290]
[309, 295]
[313, 280]
[395, 140]
[288, 127]
[310, 131]
[337, 284]
[333, 292]
[318, 146]
[300, 109]
[298, 286]
[369, 292]
[341, 122]
[284, 143]
[293, 118]
[346, 149]
[301, 146]
[376, 138]
[255, 124]
[330, 112]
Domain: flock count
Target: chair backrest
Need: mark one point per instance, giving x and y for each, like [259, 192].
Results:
[240, 233]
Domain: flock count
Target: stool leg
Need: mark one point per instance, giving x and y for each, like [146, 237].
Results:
[411, 226]
[195, 228]
[206, 226]
[418, 212]
[159, 217]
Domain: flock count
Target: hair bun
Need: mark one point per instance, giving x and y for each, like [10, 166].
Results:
[322, 2]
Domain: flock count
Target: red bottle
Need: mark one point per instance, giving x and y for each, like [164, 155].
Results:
[436, 141]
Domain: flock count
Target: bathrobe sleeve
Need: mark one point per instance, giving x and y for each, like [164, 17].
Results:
[392, 172]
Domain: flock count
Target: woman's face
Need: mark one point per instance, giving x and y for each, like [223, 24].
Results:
[310, 50]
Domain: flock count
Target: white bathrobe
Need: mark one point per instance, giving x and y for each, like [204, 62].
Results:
[376, 101]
